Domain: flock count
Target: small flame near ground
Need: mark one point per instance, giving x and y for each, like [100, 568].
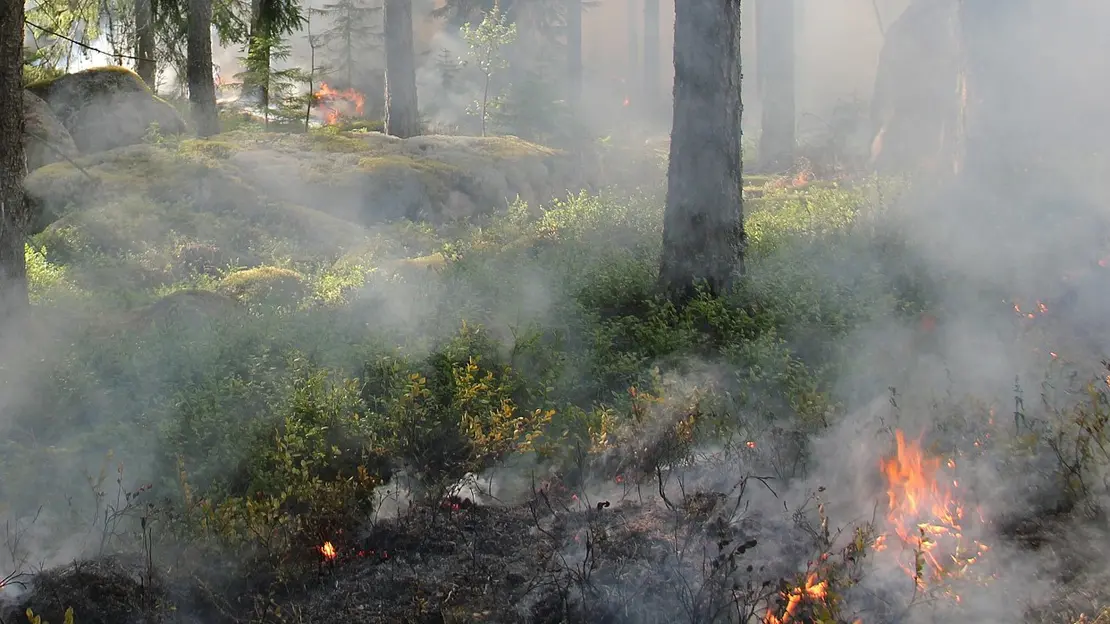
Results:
[327, 550]
[336, 104]
[927, 518]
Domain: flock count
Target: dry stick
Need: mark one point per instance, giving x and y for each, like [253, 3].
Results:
[85, 45]
[878, 17]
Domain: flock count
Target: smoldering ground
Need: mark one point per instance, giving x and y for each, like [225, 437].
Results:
[951, 376]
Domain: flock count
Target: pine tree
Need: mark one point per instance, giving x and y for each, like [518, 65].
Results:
[355, 33]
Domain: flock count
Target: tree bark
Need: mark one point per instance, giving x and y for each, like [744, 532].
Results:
[144, 48]
[574, 51]
[775, 57]
[651, 91]
[202, 86]
[703, 230]
[14, 302]
[402, 117]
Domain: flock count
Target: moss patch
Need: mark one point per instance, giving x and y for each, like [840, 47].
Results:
[265, 284]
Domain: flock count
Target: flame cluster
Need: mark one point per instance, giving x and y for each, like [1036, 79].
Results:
[811, 589]
[336, 103]
[926, 516]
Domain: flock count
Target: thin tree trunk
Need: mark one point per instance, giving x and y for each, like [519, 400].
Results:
[632, 77]
[574, 50]
[402, 117]
[775, 57]
[144, 48]
[651, 91]
[14, 301]
[703, 230]
[202, 86]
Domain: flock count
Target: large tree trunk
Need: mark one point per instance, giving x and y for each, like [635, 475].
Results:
[574, 50]
[144, 42]
[774, 37]
[202, 86]
[651, 56]
[402, 117]
[13, 166]
[703, 230]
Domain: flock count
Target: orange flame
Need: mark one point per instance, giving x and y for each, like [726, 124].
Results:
[926, 516]
[810, 590]
[328, 551]
[328, 98]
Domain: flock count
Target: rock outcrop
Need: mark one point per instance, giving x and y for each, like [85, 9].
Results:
[106, 107]
[45, 139]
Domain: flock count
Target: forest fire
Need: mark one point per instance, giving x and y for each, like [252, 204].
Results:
[328, 551]
[336, 104]
[926, 517]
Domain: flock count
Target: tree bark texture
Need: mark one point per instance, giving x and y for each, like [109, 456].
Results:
[13, 165]
[574, 50]
[775, 58]
[402, 116]
[652, 70]
[202, 86]
[703, 230]
[144, 42]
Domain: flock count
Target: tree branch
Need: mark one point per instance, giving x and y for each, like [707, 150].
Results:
[85, 45]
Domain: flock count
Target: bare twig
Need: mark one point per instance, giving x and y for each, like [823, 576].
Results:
[85, 45]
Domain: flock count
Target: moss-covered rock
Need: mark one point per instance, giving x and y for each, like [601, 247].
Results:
[265, 284]
[45, 139]
[369, 177]
[106, 107]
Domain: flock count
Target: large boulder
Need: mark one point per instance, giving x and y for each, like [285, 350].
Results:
[45, 139]
[369, 177]
[106, 107]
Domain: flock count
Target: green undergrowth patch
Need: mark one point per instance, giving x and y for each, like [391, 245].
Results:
[266, 426]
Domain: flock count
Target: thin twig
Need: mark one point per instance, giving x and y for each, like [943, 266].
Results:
[85, 45]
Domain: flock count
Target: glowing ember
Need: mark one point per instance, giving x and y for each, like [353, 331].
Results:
[926, 516]
[335, 104]
[327, 550]
[1040, 309]
[627, 101]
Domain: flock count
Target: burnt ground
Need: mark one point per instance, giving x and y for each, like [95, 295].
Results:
[548, 560]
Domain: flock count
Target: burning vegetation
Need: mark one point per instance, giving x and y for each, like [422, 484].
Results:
[334, 105]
